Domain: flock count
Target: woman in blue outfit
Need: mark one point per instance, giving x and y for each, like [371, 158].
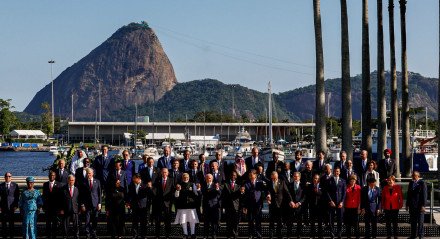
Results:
[30, 204]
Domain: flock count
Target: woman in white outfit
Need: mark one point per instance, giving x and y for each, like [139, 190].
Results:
[372, 173]
[186, 202]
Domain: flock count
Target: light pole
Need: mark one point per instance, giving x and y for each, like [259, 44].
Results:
[51, 62]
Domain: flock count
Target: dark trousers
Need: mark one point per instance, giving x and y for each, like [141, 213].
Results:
[165, 216]
[416, 218]
[116, 222]
[232, 221]
[254, 220]
[139, 219]
[370, 224]
[391, 217]
[351, 219]
[316, 217]
[51, 223]
[291, 216]
[335, 215]
[91, 222]
[212, 221]
[8, 223]
[66, 221]
[275, 217]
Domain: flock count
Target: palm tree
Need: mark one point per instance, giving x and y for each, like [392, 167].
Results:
[406, 151]
[393, 87]
[320, 132]
[366, 93]
[381, 101]
[438, 101]
[347, 128]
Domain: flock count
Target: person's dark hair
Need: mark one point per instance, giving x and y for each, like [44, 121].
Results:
[136, 175]
[50, 172]
[321, 152]
[298, 152]
[201, 156]
[371, 178]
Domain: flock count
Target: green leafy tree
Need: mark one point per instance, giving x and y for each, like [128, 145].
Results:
[8, 121]
[46, 119]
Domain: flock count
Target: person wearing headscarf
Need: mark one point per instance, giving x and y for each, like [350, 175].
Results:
[30, 204]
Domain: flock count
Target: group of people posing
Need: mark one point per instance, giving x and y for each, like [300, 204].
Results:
[317, 193]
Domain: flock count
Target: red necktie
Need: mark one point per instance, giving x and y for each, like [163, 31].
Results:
[232, 185]
[164, 184]
[91, 184]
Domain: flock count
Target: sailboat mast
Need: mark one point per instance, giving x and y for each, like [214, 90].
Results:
[270, 114]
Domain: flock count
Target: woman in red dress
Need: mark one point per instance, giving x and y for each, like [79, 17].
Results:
[352, 203]
[392, 201]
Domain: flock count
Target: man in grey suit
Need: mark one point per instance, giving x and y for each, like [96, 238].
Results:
[70, 207]
[415, 203]
[9, 195]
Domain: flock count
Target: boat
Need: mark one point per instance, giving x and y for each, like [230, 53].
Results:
[266, 154]
[53, 150]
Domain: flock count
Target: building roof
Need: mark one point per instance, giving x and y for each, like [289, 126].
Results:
[34, 133]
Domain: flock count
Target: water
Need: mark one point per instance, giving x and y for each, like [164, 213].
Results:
[25, 163]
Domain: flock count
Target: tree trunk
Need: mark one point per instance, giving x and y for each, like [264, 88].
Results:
[406, 150]
[366, 92]
[347, 127]
[438, 106]
[393, 86]
[381, 100]
[320, 132]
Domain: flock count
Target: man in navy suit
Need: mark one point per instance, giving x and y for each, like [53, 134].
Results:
[298, 165]
[185, 162]
[128, 165]
[386, 167]
[139, 204]
[118, 174]
[287, 173]
[195, 175]
[370, 206]
[211, 192]
[231, 203]
[91, 196]
[174, 173]
[9, 195]
[163, 193]
[61, 172]
[81, 174]
[361, 166]
[147, 171]
[278, 197]
[415, 203]
[317, 204]
[166, 160]
[102, 165]
[335, 190]
[52, 199]
[274, 165]
[319, 164]
[295, 211]
[252, 161]
[342, 163]
[218, 176]
[70, 207]
[253, 203]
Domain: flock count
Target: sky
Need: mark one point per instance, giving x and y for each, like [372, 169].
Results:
[247, 42]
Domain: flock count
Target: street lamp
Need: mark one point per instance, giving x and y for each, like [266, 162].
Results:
[51, 62]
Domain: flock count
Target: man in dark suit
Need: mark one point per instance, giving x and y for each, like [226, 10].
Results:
[307, 174]
[287, 174]
[163, 193]
[9, 196]
[52, 198]
[342, 163]
[81, 173]
[211, 202]
[195, 175]
[147, 171]
[102, 165]
[361, 166]
[175, 173]
[317, 204]
[118, 174]
[415, 202]
[138, 203]
[274, 165]
[61, 172]
[370, 207]
[70, 207]
[231, 203]
[278, 197]
[217, 175]
[349, 171]
[295, 212]
[166, 160]
[253, 203]
[91, 197]
[128, 165]
[335, 189]
[223, 167]
[185, 162]
[319, 164]
[298, 165]
[253, 160]
[386, 167]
